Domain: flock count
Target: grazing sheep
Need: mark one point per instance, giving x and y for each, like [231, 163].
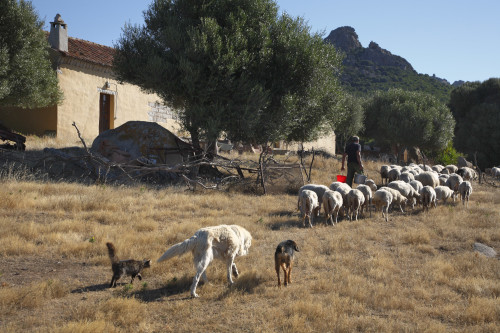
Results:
[428, 197]
[438, 168]
[309, 205]
[444, 193]
[333, 186]
[344, 190]
[428, 178]
[367, 192]
[318, 189]
[406, 177]
[417, 185]
[452, 168]
[445, 171]
[355, 199]
[467, 173]
[383, 199]
[397, 198]
[495, 172]
[371, 184]
[384, 173]
[332, 202]
[394, 174]
[406, 190]
[443, 179]
[425, 167]
[453, 182]
[465, 189]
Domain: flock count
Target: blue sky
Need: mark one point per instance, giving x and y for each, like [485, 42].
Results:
[453, 39]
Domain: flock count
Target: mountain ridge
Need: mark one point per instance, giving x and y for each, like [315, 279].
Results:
[367, 69]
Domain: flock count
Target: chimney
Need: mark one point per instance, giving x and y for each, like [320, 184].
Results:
[58, 37]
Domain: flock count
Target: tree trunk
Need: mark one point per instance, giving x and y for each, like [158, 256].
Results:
[195, 137]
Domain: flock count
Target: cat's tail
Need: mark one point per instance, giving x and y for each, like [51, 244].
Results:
[112, 253]
[180, 248]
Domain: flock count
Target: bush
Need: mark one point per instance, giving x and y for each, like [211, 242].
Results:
[448, 156]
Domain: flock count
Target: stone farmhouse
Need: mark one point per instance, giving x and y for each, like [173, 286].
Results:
[96, 101]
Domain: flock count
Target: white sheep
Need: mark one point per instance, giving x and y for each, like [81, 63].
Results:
[453, 182]
[428, 178]
[344, 190]
[371, 184]
[438, 167]
[309, 205]
[452, 168]
[443, 179]
[406, 190]
[467, 173]
[445, 171]
[384, 173]
[318, 189]
[495, 172]
[332, 202]
[465, 189]
[394, 174]
[397, 198]
[355, 199]
[444, 193]
[406, 177]
[428, 197]
[367, 192]
[417, 185]
[383, 199]
[333, 186]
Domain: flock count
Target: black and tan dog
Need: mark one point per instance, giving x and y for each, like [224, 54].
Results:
[283, 257]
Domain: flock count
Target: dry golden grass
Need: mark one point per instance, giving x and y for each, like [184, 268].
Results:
[418, 272]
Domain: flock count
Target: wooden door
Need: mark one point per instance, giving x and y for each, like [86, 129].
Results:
[104, 112]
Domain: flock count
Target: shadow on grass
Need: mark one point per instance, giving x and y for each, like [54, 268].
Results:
[245, 283]
[173, 287]
[96, 287]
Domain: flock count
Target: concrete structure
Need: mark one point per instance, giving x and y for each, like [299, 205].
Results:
[95, 100]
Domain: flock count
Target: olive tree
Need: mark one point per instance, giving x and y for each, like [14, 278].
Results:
[476, 107]
[26, 76]
[399, 119]
[233, 67]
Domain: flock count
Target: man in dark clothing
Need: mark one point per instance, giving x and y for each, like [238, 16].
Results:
[354, 164]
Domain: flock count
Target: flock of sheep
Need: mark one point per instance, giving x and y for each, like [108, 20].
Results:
[401, 186]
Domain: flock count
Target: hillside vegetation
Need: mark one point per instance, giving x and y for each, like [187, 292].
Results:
[417, 272]
[372, 68]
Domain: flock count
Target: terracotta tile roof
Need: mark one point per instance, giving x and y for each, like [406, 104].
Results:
[91, 52]
[88, 51]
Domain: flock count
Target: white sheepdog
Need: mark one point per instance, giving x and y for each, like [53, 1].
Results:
[224, 242]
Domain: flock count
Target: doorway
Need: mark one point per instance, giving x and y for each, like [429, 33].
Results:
[104, 112]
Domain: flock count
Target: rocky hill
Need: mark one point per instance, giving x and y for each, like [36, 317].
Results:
[374, 68]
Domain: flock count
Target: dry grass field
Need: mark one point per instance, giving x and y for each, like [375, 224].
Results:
[416, 273]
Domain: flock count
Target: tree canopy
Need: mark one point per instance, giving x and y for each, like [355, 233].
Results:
[233, 67]
[399, 119]
[476, 107]
[26, 76]
[353, 121]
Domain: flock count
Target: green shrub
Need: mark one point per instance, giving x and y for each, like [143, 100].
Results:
[448, 156]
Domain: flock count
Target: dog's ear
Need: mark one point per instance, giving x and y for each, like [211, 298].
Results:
[295, 247]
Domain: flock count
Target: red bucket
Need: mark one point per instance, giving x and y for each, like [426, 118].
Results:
[341, 178]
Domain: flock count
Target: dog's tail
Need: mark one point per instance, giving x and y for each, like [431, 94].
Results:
[112, 253]
[179, 249]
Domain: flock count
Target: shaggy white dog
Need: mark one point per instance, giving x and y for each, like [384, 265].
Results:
[224, 242]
